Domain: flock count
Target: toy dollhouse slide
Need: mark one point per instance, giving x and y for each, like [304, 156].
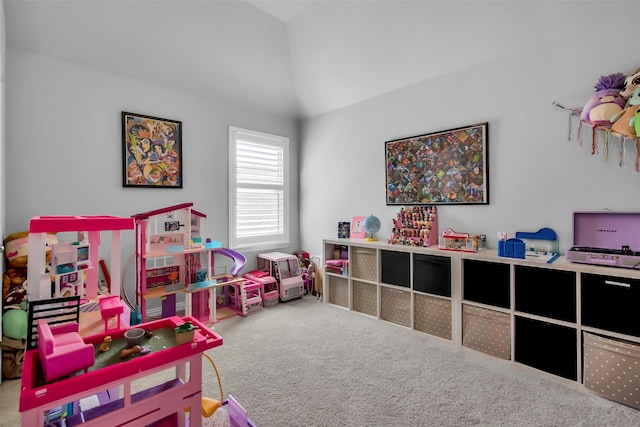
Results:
[239, 260]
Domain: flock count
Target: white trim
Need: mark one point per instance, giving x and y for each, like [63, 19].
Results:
[258, 242]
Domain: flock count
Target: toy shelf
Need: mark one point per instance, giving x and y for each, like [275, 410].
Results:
[519, 310]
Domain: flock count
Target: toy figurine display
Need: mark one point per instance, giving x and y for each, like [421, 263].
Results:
[417, 226]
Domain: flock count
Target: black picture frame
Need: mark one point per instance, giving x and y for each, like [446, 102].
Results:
[151, 152]
[444, 167]
[344, 229]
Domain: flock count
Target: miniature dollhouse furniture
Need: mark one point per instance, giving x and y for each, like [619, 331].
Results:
[53, 333]
[62, 350]
[111, 307]
[55, 311]
[162, 401]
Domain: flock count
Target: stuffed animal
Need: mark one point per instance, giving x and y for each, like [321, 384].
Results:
[17, 248]
[635, 122]
[630, 83]
[606, 102]
[623, 122]
[14, 288]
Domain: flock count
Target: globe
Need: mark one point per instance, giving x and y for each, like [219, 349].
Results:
[371, 226]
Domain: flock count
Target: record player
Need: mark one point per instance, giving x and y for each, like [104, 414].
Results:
[606, 238]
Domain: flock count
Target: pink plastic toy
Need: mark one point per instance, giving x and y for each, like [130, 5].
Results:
[62, 351]
[111, 307]
[286, 270]
[39, 280]
[245, 297]
[165, 401]
[269, 286]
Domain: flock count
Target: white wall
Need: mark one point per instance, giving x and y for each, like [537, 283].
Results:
[64, 146]
[3, 56]
[3, 50]
[537, 177]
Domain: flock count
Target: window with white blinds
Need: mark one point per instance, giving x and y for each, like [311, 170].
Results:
[258, 193]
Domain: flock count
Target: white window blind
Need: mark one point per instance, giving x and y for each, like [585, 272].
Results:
[259, 189]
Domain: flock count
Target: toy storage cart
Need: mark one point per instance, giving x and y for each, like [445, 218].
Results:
[164, 401]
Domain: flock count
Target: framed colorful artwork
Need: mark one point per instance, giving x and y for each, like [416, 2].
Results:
[151, 152]
[445, 167]
[357, 227]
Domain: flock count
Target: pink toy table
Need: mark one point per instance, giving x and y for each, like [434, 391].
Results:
[110, 307]
[133, 409]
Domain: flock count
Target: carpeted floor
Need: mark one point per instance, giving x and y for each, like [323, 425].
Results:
[304, 363]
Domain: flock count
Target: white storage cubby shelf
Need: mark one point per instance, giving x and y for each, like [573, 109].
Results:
[527, 312]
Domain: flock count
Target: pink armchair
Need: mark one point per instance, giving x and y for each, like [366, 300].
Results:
[62, 350]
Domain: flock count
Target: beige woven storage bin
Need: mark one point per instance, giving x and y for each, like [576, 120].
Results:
[395, 306]
[339, 291]
[487, 331]
[365, 298]
[364, 264]
[432, 316]
[612, 369]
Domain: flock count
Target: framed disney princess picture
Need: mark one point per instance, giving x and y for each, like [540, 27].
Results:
[151, 152]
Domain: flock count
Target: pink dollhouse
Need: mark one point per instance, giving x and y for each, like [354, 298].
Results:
[163, 403]
[173, 257]
[74, 265]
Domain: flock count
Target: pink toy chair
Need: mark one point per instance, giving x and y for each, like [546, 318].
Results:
[62, 350]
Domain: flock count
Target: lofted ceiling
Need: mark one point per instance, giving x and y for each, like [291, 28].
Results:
[284, 10]
[293, 58]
